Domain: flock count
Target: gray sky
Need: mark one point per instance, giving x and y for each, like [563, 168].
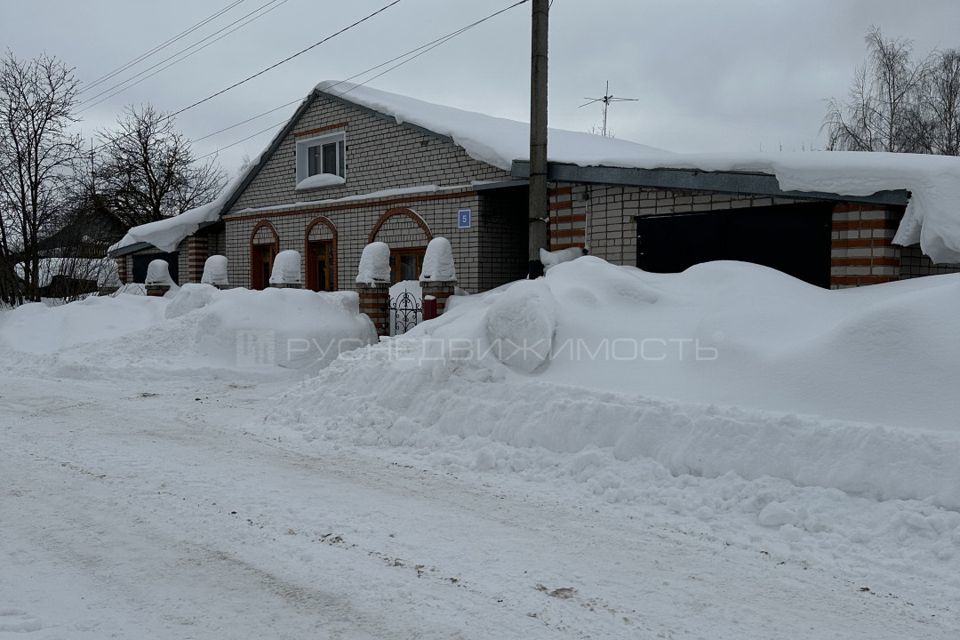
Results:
[710, 75]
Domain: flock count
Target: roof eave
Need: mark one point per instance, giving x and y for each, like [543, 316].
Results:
[695, 180]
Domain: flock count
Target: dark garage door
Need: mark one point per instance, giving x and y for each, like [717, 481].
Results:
[141, 262]
[794, 239]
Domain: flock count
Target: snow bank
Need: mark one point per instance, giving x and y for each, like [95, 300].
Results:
[215, 271]
[199, 327]
[374, 264]
[320, 180]
[438, 262]
[553, 258]
[286, 268]
[852, 390]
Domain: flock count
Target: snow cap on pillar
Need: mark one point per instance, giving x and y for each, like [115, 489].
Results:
[374, 264]
[438, 262]
[215, 271]
[158, 273]
[286, 268]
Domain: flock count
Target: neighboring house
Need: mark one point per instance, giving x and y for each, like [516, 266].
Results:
[356, 165]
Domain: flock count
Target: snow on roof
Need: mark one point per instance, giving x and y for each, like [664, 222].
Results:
[496, 141]
[168, 233]
[932, 217]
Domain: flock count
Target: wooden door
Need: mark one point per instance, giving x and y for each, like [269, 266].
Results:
[321, 266]
[261, 265]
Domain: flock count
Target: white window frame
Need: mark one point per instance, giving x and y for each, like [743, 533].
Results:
[303, 158]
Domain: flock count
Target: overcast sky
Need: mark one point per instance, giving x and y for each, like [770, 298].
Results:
[709, 75]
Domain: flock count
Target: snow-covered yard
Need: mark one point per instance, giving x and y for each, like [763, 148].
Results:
[434, 487]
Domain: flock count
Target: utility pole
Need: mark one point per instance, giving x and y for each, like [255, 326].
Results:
[539, 199]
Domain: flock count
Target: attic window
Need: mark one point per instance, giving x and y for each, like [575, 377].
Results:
[323, 155]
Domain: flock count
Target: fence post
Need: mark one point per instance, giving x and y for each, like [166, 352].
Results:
[429, 307]
[439, 290]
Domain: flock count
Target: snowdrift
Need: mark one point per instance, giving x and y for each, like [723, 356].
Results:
[755, 373]
[198, 327]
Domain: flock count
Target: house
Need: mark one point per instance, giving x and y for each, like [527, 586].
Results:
[356, 165]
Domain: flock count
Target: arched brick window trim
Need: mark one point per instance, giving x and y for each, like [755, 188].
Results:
[261, 225]
[333, 231]
[389, 213]
[254, 277]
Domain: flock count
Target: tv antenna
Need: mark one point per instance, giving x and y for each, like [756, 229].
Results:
[607, 100]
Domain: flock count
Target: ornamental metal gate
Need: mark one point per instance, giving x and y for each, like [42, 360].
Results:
[406, 312]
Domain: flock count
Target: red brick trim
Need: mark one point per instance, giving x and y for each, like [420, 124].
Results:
[347, 206]
[323, 129]
[865, 261]
[402, 211]
[861, 280]
[571, 219]
[851, 243]
[566, 233]
[854, 225]
[558, 206]
[561, 191]
[558, 247]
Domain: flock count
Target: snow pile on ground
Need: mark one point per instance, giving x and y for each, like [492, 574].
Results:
[553, 258]
[198, 327]
[286, 268]
[438, 262]
[851, 390]
[374, 264]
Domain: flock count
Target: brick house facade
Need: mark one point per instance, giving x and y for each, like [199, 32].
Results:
[405, 184]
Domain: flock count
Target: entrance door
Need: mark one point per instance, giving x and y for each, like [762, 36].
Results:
[321, 266]
[406, 264]
[794, 239]
[261, 265]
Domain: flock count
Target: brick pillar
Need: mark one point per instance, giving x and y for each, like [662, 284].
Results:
[375, 302]
[861, 247]
[287, 285]
[440, 290]
[198, 250]
[122, 269]
[157, 290]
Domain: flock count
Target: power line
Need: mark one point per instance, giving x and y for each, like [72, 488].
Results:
[159, 47]
[191, 50]
[287, 59]
[422, 49]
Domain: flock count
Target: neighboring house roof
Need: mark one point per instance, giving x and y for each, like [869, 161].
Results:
[933, 181]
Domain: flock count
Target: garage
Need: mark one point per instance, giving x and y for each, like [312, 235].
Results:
[794, 239]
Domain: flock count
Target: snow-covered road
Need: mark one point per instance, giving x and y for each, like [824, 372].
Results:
[131, 508]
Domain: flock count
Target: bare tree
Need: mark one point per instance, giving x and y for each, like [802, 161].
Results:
[878, 115]
[148, 170]
[939, 107]
[899, 103]
[36, 159]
